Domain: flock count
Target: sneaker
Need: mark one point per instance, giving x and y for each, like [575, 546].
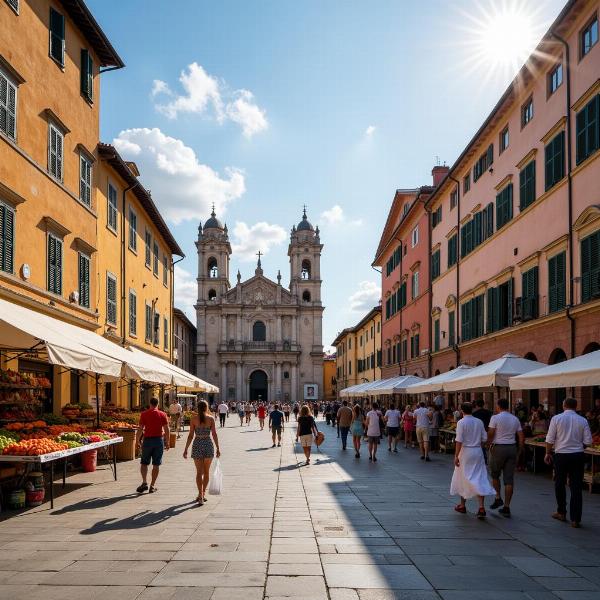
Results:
[152, 489]
[142, 488]
[505, 512]
[427, 459]
[273, 446]
[422, 457]
[498, 502]
[279, 444]
[357, 455]
[396, 450]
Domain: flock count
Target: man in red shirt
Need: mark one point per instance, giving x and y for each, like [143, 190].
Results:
[154, 425]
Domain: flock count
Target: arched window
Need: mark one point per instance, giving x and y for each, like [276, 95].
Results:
[305, 273]
[259, 332]
[306, 296]
[213, 269]
[212, 295]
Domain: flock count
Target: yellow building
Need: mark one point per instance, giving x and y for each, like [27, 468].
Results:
[134, 266]
[51, 54]
[329, 378]
[358, 351]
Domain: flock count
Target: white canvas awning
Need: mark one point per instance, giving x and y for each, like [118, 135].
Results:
[23, 328]
[576, 372]
[389, 386]
[345, 393]
[435, 384]
[493, 374]
[374, 389]
[408, 380]
[360, 389]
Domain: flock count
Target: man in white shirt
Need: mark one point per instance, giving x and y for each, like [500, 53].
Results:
[392, 421]
[423, 417]
[503, 431]
[568, 435]
[223, 411]
[175, 411]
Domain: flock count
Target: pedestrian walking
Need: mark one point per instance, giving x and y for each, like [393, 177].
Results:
[344, 417]
[408, 425]
[175, 412]
[202, 427]
[241, 413]
[392, 422]
[248, 412]
[223, 412]
[307, 428]
[276, 424]
[503, 432]
[296, 410]
[470, 476]
[373, 423]
[568, 435]
[286, 412]
[437, 421]
[262, 414]
[154, 426]
[423, 420]
[328, 409]
[357, 428]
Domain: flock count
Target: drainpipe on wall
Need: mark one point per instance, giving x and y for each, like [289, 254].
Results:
[456, 346]
[430, 290]
[569, 191]
[123, 261]
[172, 325]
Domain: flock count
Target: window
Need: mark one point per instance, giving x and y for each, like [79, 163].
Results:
[132, 313]
[84, 280]
[435, 265]
[436, 217]
[55, 249]
[453, 198]
[504, 139]
[414, 346]
[85, 180]
[349, 367]
[8, 106]
[414, 236]
[529, 294]
[466, 183]
[305, 270]
[14, 4]
[557, 282]
[55, 152]
[589, 36]
[7, 238]
[587, 125]
[500, 307]
[555, 79]
[132, 230]
[436, 335]
[471, 319]
[165, 270]
[57, 37]
[87, 75]
[590, 267]
[405, 209]
[148, 323]
[148, 241]
[477, 230]
[111, 299]
[165, 333]
[554, 153]
[155, 258]
[259, 332]
[483, 163]
[393, 261]
[111, 216]
[504, 206]
[156, 329]
[451, 329]
[453, 250]
[527, 112]
[527, 185]
[415, 285]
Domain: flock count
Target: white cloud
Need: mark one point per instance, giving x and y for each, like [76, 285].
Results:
[182, 187]
[370, 130]
[335, 216]
[185, 292]
[247, 241]
[366, 297]
[205, 94]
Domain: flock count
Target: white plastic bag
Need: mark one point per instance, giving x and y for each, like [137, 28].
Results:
[215, 487]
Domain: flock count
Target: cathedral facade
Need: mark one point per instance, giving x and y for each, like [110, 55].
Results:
[258, 340]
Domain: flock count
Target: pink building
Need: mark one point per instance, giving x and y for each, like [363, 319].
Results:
[515, 241]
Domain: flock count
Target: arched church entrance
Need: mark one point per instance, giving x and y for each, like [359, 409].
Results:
[259, 386]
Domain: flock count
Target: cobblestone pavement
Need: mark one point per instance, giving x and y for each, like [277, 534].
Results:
[342, 528]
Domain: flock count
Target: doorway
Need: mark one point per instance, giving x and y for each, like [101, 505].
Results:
[259, 387]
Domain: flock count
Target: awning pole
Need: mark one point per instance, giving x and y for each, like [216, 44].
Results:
[97, 401]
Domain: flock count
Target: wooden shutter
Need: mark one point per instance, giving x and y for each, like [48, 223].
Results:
[490, 219]
[54, 265]
[57, 36]
[8, 107]
[490, 155]
[509, 303]
[436, 335]
[588, 129]
[490, 292]
[84, 280]
[451, 329]
[87, 74]
[477, 229]
[7, 232]
[590, 267]
[465, 322]
[111, 299]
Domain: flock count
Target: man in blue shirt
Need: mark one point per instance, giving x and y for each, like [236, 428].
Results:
[276, 424]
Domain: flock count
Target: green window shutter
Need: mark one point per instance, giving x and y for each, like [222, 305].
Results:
[465, 322]
[557, 282]
[87, 74]
[590, 267]
[7, 240]
[490, 310]
[451, 329]
[51, 260]
[588, 129]
[490, 155]
[84, 281]
[490, 219]
[436, 335]
[54, 265]
[476, 225]
[57, 36]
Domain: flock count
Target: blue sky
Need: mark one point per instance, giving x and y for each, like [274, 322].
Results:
[332, 104]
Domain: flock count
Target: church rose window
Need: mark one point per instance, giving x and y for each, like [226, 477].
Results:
[259, 332]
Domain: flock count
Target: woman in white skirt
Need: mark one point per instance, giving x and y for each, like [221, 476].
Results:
[470, 475]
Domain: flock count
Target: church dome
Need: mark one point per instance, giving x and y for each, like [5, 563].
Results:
[213, 222]
[305, 224]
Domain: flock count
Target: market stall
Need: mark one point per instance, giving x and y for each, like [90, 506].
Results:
[436, 384]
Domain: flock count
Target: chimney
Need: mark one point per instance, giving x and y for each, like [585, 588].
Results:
[439, 172]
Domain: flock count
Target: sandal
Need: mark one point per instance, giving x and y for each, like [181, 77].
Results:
[152, 489]
[459, 508]
[481, 514]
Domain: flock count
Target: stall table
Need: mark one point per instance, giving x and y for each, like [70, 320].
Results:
[64, 455]
[447, 440]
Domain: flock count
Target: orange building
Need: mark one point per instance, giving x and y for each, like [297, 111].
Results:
[329, 378]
